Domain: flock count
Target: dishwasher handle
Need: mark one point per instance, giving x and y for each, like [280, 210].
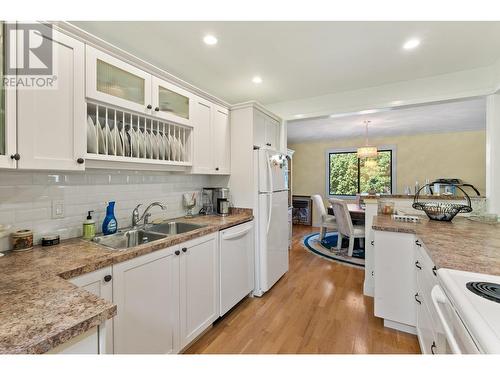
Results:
[241, 233]
[438, 297]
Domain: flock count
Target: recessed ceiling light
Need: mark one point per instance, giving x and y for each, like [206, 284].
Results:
[210, 40]
[257, 79]
[411, 43]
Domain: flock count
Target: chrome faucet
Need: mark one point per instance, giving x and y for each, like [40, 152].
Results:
[136, 218]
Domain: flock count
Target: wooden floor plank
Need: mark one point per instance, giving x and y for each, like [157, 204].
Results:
[317, 307]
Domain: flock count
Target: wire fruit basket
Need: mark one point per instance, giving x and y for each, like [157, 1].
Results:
[442, 211]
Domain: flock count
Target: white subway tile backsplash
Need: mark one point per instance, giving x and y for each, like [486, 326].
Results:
[26, 197]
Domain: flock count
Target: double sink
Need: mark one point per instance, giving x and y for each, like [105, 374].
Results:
[125, 239]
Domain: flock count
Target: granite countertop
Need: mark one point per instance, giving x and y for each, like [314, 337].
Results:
[40, 309]
[461, 244]
[422, 197]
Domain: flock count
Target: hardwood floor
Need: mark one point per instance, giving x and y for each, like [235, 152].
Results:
[317, 307]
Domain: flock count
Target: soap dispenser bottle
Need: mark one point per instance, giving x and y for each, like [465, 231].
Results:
[109, 225]
[89, 227]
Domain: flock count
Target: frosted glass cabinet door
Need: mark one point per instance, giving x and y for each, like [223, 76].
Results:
[116, 82]
[171, 102]
[7, 113]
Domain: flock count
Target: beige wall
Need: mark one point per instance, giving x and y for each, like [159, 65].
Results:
[418, 157]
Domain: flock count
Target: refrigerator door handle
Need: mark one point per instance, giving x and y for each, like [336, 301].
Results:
[270, 207]
[269, 174]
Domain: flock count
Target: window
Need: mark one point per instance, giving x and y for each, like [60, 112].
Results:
[348, 175]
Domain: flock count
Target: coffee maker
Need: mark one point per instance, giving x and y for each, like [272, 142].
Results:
[222, 201]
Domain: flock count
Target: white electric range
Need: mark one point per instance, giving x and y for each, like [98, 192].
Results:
[468, 306]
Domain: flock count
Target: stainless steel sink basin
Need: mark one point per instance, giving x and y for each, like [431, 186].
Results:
[129, 238]
[174, 227]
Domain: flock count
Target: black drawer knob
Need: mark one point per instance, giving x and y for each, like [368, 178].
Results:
[80, 160]
[15, 156]
[177, 252]
[217, 168]
[107, 278]
[184, 249]
[149, 106]
[157, 109]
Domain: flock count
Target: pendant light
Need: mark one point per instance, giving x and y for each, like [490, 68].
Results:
[367, 151]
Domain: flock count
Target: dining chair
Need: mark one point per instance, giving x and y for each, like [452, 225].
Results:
[327, 221]
[345, 226]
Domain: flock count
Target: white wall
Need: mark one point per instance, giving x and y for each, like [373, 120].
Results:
[463, 84]
[493, 153]
[26, 197]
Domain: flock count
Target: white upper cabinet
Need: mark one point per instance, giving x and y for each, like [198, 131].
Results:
[221, 141]
[212, 138]
[113, 81]
[171, 102]
[51, 121]
[266, 131]
[7, 115]
[199, 287]
[203, 160]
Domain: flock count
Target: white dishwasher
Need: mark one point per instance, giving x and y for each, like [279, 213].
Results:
[236, 264]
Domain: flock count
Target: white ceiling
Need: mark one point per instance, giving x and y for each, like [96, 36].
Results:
[302, 59]
[439, 118]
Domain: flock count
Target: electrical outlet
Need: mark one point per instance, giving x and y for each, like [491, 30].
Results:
[57, 209]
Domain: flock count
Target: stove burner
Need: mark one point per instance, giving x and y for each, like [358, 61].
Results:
[489, 291]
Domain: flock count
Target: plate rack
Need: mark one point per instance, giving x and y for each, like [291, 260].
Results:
[115, 134]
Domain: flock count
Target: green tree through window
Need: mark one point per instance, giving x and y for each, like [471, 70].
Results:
[349, 175]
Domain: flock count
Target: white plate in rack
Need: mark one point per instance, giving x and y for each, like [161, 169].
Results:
[173, 147]
[167, 146]
[126, 143]
[161, 147]
[111, 143]
[133, 143]
[141, 143]
[91, 136]
[157, 142]
[102, 141]
[119, 142]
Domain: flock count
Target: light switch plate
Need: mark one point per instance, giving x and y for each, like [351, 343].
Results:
[57, 209]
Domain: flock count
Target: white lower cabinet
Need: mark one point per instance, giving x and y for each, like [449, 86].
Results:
[236, 264]
[146, 292]
[100, 283]
[394, 270]
[430, 334]
[199, 287]
[86, 343]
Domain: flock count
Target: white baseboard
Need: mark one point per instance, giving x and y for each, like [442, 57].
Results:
[400, 326]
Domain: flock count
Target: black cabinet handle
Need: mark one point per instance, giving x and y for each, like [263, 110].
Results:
[80, 160]
[268, 144]
[149, 106]
[373, 243]
[177, 252]
[416, 299]
[184, 249]
[434, 270]
[15, 156]
[433, 346]
[417, 242]
[107, 278]
[417, 264]
[157, 109]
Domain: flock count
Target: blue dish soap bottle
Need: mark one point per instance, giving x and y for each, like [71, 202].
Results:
[109, 225]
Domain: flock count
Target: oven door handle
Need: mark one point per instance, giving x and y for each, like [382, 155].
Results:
[438, 297]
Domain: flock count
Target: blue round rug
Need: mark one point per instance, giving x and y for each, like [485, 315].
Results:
[328, 249]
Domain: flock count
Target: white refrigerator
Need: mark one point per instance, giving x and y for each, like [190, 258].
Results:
[271, 258]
